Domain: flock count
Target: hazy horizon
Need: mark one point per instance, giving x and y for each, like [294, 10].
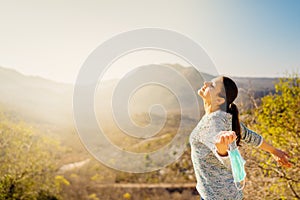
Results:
[118, 78]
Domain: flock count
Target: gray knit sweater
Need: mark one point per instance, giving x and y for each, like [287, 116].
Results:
[213, 172]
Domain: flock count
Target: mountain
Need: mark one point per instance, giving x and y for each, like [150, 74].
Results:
[36, 99]
[250, 91]
[43, 101]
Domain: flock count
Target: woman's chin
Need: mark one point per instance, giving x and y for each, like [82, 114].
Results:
[200, 93]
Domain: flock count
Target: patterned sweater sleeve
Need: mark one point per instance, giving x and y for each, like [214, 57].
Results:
[250, 137]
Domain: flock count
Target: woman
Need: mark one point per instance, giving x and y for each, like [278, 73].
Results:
[210, 140]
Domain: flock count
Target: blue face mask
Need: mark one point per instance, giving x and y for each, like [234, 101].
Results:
[237, 166]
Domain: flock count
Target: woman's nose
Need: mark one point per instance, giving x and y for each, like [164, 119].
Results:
[207, 83]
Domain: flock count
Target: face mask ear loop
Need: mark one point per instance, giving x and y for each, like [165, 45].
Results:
[241, 184]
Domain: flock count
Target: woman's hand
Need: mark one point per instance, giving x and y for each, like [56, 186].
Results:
[225, 138]
[281, 157]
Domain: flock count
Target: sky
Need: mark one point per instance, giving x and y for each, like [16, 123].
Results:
[53, 38]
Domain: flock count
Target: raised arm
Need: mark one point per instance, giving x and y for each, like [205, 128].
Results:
[280, 156]
[257, 140]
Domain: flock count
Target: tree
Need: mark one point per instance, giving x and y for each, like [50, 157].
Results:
[277, 119]
[27, 162]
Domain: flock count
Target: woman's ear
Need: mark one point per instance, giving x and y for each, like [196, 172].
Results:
[220, 100]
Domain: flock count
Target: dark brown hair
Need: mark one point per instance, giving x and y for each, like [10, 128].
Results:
[230, 93]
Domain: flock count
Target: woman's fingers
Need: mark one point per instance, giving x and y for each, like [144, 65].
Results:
[282, 158]
[227, 137]
[284, 162]
[286, 154]
[222, 140]
[232, 136]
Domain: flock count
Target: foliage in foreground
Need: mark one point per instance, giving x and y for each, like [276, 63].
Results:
[27, 163]
[278, 120]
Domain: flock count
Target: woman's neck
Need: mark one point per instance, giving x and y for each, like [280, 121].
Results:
[209, 108]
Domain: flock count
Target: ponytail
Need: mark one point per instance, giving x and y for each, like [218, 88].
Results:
[233, 110]
[230, 93]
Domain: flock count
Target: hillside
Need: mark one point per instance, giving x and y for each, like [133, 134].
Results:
[39, 100]
[36, 100]
[49, 104]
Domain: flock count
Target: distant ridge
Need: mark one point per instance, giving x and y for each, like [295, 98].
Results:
[34, 98]
[40, 100]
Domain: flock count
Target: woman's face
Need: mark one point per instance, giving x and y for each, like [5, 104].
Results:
[211, 90]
